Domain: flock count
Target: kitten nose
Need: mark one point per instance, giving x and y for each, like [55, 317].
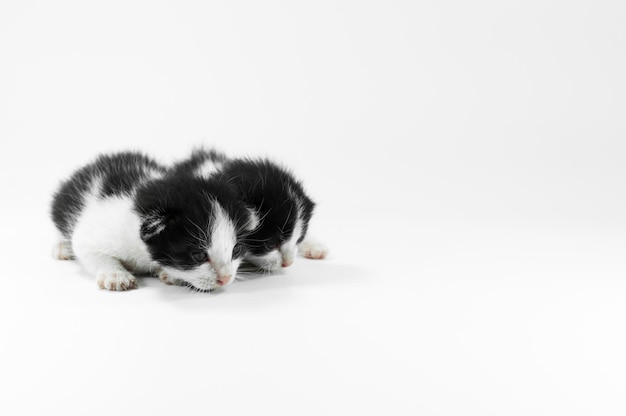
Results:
[222, 280]
[287, 263]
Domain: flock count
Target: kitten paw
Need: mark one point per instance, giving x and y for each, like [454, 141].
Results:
[63, 251]
[119, 280]
[164, 278]
[312, 250]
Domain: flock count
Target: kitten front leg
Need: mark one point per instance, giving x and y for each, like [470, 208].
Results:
[109, 272]
[165, 278]
[63, 251]
[270, 262]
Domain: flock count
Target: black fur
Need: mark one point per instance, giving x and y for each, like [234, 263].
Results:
[120, 173]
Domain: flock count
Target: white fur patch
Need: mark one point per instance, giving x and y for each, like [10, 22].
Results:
[254, 220]
[223, 236]
[208, 168]
[289, 247]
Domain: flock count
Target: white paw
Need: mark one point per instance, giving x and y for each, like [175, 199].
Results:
[312, 250]
[118, 280]
[270, 262]
[63, 251]
[165, 278]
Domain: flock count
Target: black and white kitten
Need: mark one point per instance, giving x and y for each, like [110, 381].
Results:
[126, 213]
[276, 196]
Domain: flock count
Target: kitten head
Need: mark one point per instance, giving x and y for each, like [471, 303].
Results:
[281, 203]
[194, 229]
[274, 244]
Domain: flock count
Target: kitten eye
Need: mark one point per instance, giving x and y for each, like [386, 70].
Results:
[271, 246]
[237, 250]
[199, 256]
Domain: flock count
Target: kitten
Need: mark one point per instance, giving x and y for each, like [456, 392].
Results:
[126, 213]
[275, 195]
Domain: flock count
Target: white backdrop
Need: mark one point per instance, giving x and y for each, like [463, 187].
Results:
[467, 160]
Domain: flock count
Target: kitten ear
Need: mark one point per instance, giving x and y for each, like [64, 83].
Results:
[152, 225]
[253, 220]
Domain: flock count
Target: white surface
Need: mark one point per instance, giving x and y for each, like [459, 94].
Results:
[468, 161]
